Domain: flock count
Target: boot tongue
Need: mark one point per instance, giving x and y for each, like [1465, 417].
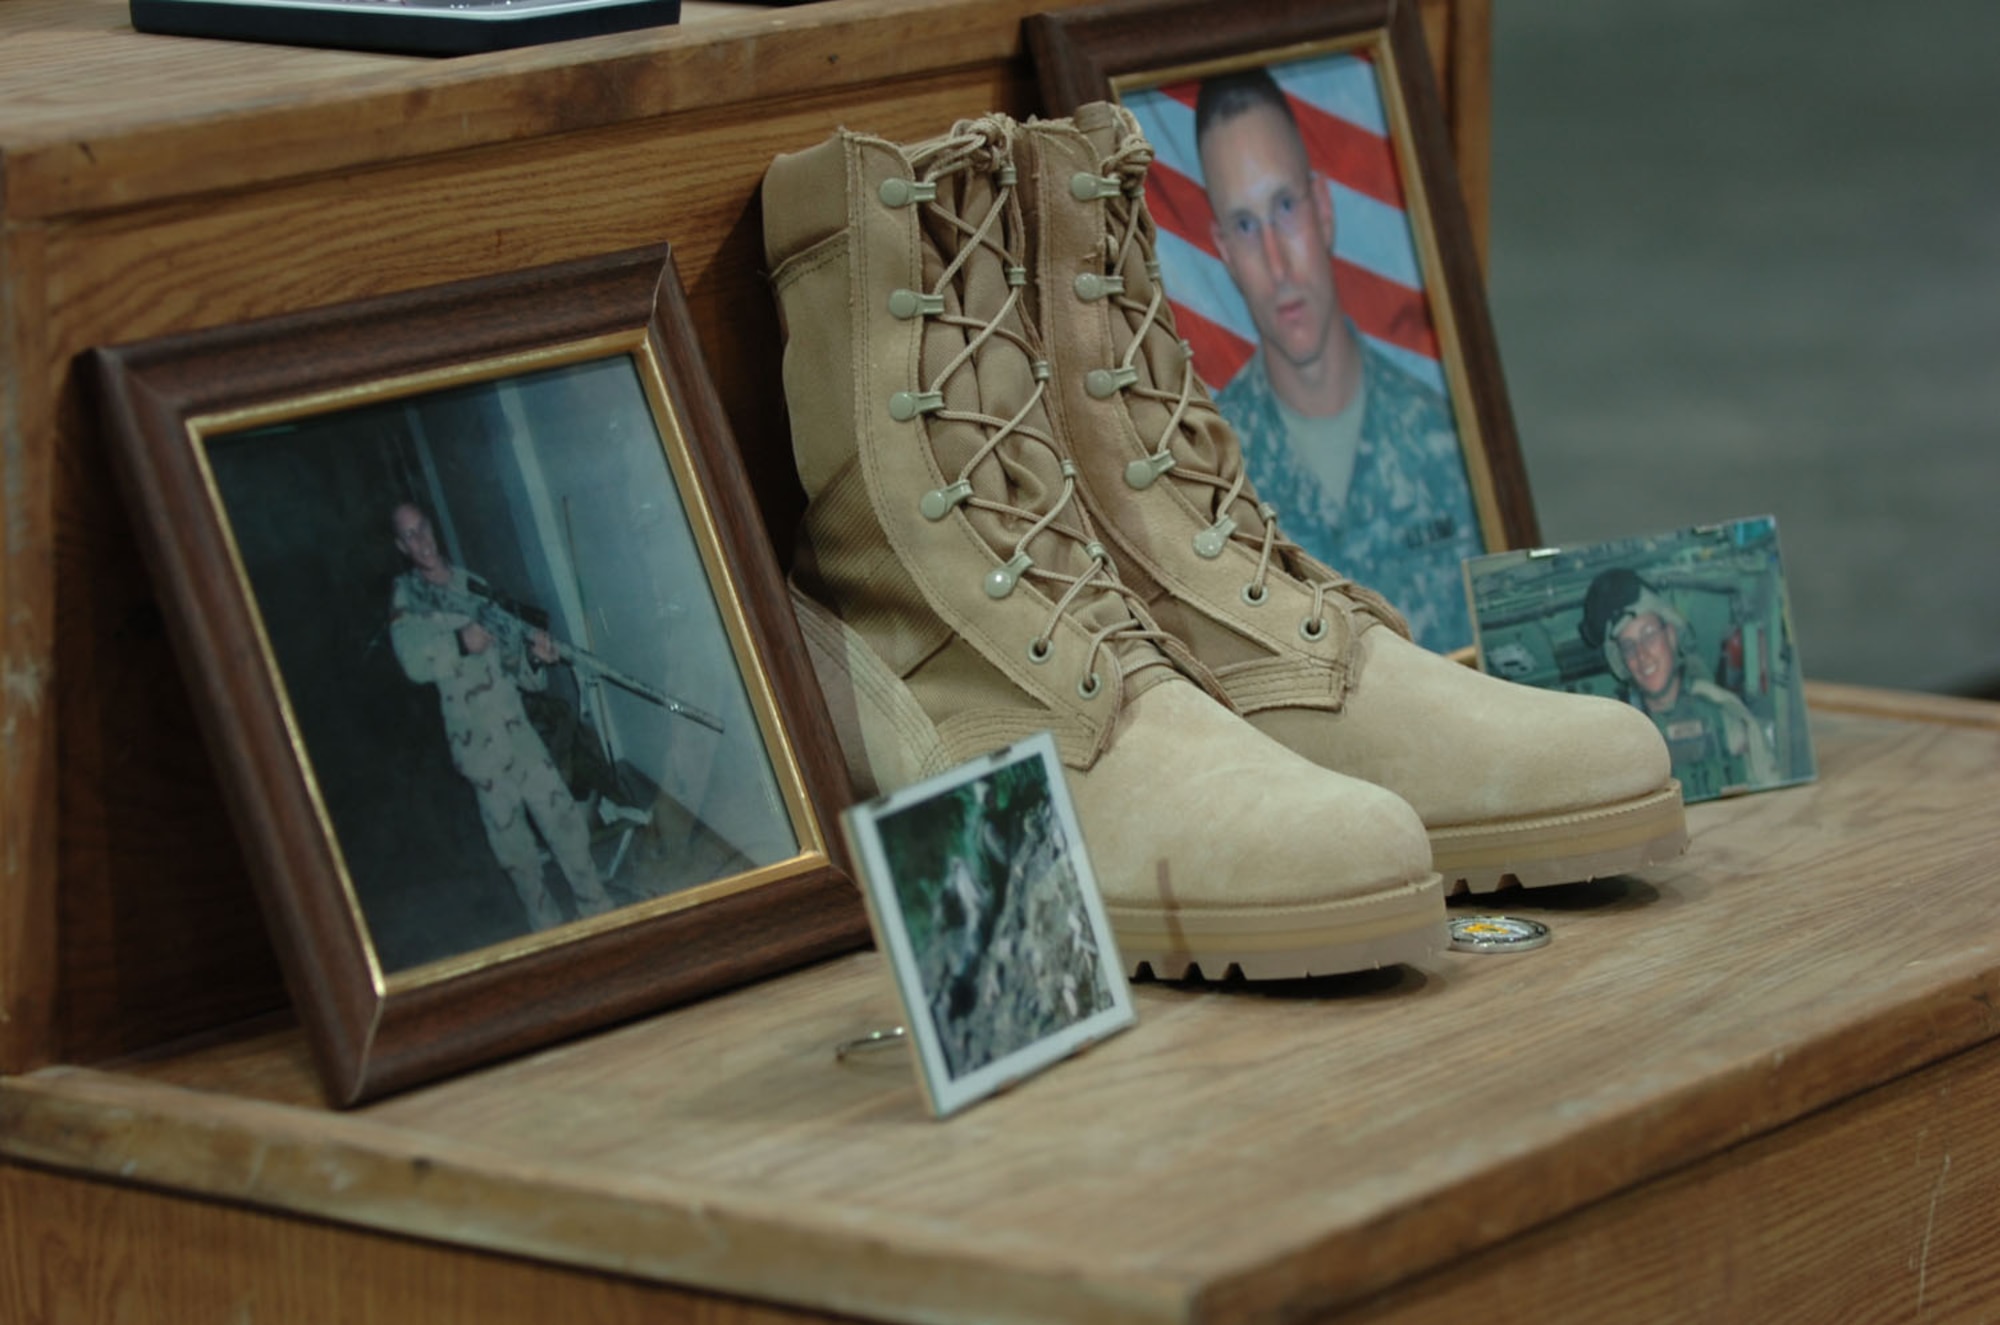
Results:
[1098, 121]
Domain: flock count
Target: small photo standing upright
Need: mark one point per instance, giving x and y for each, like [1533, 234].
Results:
[983, 900]
[1692, 628]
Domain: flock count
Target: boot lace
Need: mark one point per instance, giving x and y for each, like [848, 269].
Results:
[985, 145]
[1129, 241]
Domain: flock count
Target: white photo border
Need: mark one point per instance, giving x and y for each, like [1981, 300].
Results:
[944, 1093]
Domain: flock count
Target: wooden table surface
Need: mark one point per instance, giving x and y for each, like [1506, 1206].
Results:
[94, 116]
[1243, 1153]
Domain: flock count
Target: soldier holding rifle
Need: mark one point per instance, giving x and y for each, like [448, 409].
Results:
[436, 627]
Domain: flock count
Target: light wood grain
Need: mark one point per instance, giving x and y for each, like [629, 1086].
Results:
[1468, 87]
[85, 1253]
[95, 116]
[28, 769]
[1879, 1209]
[144, 119]
[1240, 1155]
[1948, 709]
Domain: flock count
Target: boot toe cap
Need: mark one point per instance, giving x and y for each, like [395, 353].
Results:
[1465, 747]
[1193, 803]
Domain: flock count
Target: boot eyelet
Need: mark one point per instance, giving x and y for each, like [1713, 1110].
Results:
[1256, 594]
[1088, 687]
[1041, 650]
[1312, 631]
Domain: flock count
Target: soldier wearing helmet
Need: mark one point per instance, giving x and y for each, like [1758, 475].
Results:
[1716, 743]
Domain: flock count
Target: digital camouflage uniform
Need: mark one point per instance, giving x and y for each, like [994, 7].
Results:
[493, 745]
[1407, 521]
[1715, 741]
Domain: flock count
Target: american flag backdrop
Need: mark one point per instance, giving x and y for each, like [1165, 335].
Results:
[1337, 100]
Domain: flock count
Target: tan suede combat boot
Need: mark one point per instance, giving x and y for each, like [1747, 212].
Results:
[956, 599]
[1513, 783]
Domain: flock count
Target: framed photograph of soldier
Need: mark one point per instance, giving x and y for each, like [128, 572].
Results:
[1692, 628]
[493, 659]
[982, 898]
[1320, 264]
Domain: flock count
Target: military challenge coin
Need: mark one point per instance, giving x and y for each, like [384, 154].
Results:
[1497, 934]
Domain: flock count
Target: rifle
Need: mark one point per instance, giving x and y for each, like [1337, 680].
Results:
[511, 622]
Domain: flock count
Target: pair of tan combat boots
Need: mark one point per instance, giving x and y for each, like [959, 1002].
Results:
[1025, 514]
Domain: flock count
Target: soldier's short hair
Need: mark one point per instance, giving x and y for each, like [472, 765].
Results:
[1226, 96]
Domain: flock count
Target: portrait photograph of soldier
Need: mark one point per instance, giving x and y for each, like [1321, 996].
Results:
[1286, 248]
[507, 664]
[1692, 628]
[983, 900]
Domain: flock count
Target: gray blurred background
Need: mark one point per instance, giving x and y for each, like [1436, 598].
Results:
[1746, 259]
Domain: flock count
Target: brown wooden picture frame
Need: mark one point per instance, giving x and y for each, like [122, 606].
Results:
[240, 448]
[1110, 51]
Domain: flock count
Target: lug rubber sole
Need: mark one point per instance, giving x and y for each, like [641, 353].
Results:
[1401, 924]
[1572, 847]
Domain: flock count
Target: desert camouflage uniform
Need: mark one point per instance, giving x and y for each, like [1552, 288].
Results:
[1408, 519]
[493, 745]
[1715, 741]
